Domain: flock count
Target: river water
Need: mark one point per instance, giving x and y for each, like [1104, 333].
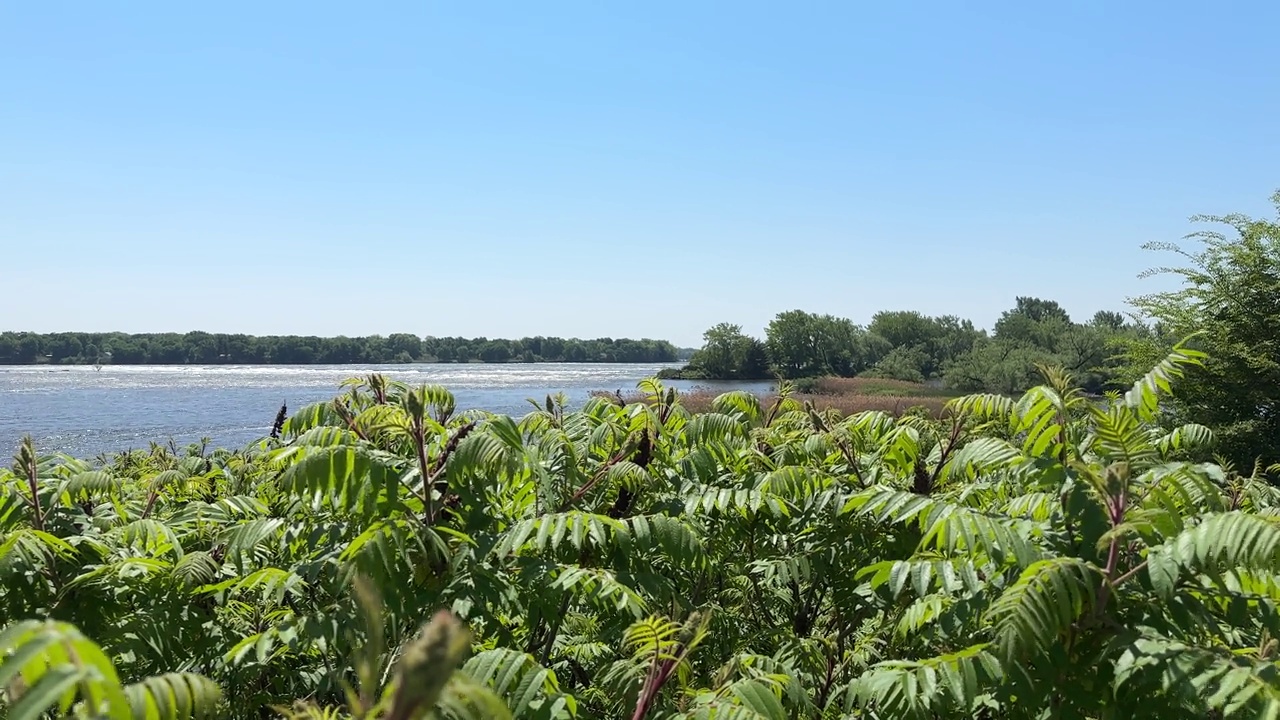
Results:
[84, 412]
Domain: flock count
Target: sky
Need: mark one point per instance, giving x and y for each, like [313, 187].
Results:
[612, 169]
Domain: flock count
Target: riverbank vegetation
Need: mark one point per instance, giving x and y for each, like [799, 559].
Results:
[202, 348]
[1230, 296]
[1229, 299]
[384, 555]
[845, 396]
[909, 346]
[1049, 553]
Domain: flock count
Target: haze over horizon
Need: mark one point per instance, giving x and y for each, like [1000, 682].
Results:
[588, 171]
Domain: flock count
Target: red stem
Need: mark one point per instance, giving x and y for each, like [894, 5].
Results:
[33, 484]
[1113, 552]
[595, 479]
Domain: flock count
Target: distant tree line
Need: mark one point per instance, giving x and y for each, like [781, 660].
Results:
[1227, 305]
[907, 345]
[70, 348]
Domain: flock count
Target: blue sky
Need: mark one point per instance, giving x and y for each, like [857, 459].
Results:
[609, 169]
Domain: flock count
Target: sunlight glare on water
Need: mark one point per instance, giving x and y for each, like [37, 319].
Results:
[83, 411]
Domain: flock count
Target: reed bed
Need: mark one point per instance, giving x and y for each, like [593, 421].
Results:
[864, 386]
[698, 400]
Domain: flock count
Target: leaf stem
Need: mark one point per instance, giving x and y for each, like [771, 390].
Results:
[27, 459]
[1128, 575]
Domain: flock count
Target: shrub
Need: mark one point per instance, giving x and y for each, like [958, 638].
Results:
[1044, 556]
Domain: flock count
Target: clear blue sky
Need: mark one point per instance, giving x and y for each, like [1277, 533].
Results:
[593, 169]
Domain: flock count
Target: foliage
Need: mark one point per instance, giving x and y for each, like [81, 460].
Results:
[1230, 294]
[802, 344]
[922, 346]
[866, 385]
[909, 346]
[727, 353]
[220, 349]
[1040, 556]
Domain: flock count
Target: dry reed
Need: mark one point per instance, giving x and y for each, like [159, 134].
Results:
[698, 400]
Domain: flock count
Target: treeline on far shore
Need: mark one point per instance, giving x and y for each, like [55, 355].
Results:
[947, 351]
[78, 348]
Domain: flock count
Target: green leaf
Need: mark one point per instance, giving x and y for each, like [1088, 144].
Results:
[760, 698]
[1033, 613]
[1227, 540]
[1144, 396]
[174, 696]
[55, 688]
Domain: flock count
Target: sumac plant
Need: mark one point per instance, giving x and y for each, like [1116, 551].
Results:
[387, 556]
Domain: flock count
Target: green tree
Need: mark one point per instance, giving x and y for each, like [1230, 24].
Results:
[922, 346]
[1037, 331]
[999, 366]
[1108, 320]
[719, 347]
[728, 353]
[405, 343]
[755, 362]
[63, 347]
[904, 328]
[29, 348]
[802, 344]
[8, 348]
[1083, 351]
[1038, 310]
[495, 351]
[1034, 321]
[1231, 294]
[902, 363]
[201, 347]
[958, 337]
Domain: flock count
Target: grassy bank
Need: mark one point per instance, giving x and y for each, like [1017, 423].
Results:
[864, 386]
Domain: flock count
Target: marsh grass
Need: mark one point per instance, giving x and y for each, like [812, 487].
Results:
[865, 386]
[845, 395]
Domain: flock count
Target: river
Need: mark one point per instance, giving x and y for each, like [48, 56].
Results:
[82, 411]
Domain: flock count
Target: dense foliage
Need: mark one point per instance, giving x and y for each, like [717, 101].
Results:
[1047, 556]
[214, 349]
[1230, 295]
[728, 354]
[906, 345]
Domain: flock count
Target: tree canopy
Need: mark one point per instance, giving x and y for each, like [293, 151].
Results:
[1230, 296]
[908, 345]
[728, 353]
[1229, 299]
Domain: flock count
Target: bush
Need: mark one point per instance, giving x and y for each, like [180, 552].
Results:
[807, 385]
[1017, 559]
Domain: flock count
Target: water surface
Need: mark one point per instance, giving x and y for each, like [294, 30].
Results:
[82, 411]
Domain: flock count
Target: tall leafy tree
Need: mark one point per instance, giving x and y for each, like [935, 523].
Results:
[905, 328]
[921, 346]
[729, 353]
[1108, 320]
[720, 350]
[1230, 294]
[802, 344]
[999, 366]
[1033, 321]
